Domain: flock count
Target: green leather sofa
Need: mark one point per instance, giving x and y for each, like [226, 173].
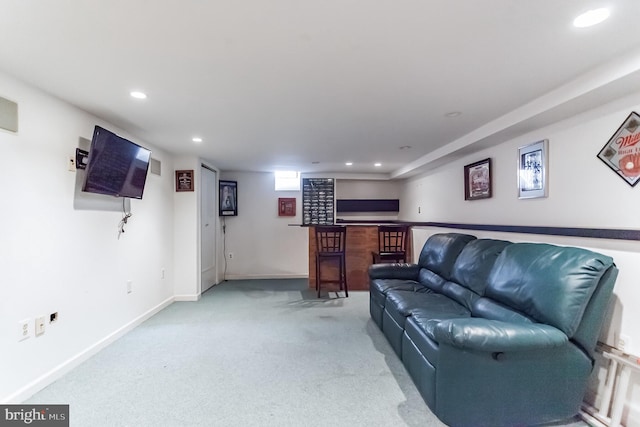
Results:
[495, 333]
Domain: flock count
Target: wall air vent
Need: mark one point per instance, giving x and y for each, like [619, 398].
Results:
[155, 166]
[8, 115]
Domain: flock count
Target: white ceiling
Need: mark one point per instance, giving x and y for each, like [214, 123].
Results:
[280, 84]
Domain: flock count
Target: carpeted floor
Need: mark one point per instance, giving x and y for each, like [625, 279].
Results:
[249, 353]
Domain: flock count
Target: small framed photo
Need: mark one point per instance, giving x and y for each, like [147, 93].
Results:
[622, 152]
[532, 170]
[228, 192]
[477, 180]
[286, 206]
[184, 180]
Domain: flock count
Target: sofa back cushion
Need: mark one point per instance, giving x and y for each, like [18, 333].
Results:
[475, 262]
[471, 270]
[551, 284]
[440, 252]
[431, 280]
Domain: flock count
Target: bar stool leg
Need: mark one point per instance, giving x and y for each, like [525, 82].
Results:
[318, 275]
[340, 273]
[343, 262]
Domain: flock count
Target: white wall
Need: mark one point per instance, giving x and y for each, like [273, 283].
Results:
[186, 233]
[57, 259]
[263, 244]
[583, 192]
[367, 189]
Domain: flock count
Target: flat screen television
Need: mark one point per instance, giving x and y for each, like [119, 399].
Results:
[116, 166]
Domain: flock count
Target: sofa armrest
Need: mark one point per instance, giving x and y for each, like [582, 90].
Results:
[394, 271]
[496, 336]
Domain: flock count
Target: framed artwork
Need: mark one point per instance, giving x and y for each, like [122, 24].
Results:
[622, 152]
[286, 206]
[532, 170]
[184, 180]
[228, 192]
[477, 180]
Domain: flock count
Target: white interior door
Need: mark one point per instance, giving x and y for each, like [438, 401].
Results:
[208, 215]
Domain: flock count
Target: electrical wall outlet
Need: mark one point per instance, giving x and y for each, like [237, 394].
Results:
[230, 255]
[129, 286]
[71, 164]
[23, 329]
[40, 325]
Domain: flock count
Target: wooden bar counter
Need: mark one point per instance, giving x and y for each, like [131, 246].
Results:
[362, 239]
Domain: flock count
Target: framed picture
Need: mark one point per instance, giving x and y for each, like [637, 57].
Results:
[622, 152]
[532, 170]
[228, 191]
[184, 180]
[477, 180]
[286, 206]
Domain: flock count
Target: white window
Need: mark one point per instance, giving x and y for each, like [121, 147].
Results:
[287, 181]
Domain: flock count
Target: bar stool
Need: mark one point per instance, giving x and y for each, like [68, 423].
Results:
[331, 244]
[392, 244]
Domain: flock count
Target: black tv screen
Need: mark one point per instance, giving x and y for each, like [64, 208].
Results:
[116, 166]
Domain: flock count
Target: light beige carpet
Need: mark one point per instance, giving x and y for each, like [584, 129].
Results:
[249, 353]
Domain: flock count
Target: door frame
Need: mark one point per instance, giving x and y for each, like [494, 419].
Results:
[210, 276]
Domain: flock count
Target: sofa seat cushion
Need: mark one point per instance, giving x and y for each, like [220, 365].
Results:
[380, 287]
[384, 285]
[401, 304]
[420, 327]
[427, 320]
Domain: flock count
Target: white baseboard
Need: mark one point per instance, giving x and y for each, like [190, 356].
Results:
[186, 298]
[38, 384]
[265, 276]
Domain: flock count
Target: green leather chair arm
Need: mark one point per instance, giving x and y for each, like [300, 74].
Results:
[496, 336]
[394, 271]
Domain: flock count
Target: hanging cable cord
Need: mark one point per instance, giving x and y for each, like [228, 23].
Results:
[125, 217]
[224, 248]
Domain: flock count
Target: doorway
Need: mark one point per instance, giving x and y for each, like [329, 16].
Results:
[208, 217]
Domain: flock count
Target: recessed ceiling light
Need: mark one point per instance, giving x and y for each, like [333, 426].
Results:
[453, 114]
[405, 147]
[196, 139]
[377, 165]
[349, 163]
[591, 17]
[315, 162]
[138, 95]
